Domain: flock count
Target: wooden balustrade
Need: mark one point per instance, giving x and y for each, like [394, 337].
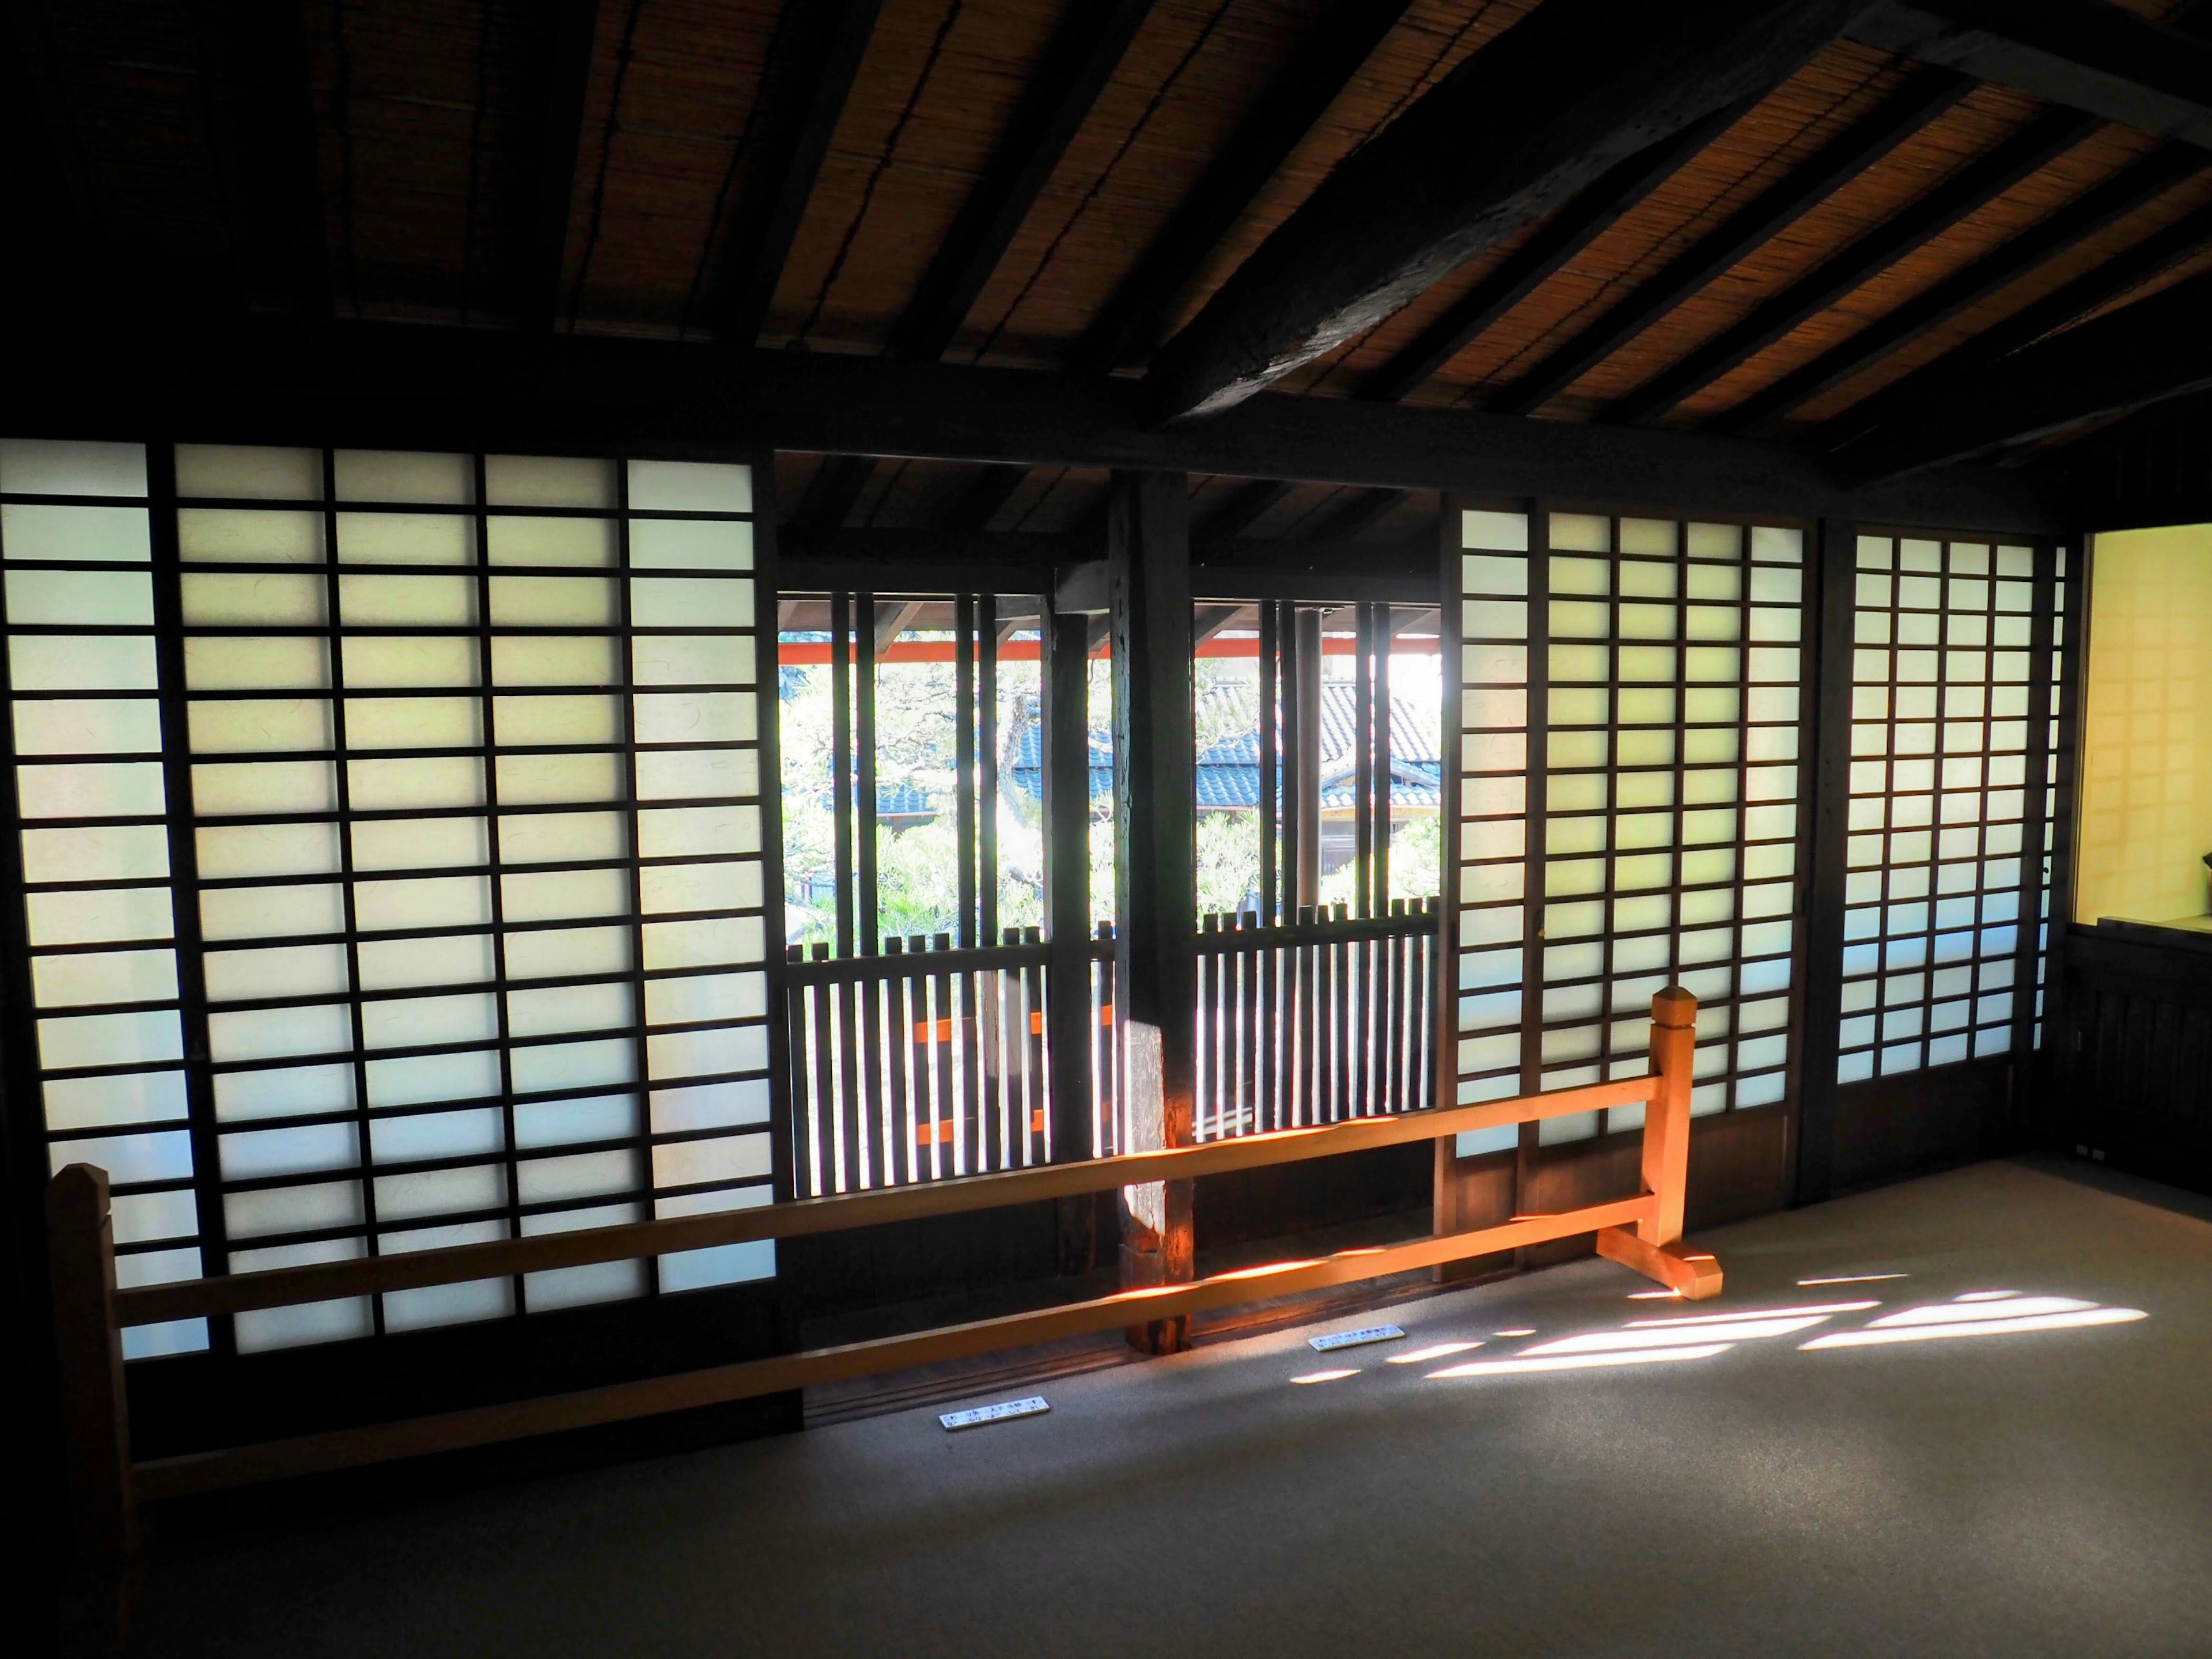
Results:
[90, 1312]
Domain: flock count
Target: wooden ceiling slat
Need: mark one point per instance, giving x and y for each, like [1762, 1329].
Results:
[2088, 214]
[1573, 88]
[1557, 241]
[1134, 315]
[1905, 113]
[1981, 180]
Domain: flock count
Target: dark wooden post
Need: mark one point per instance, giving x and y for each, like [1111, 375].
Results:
[95, 1412]
[1066, 764]
[1826, 862]
[1156, 877]
[1307, 806]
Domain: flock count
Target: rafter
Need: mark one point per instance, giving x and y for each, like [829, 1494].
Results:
[1064, 85]
[822, 52]
[1905, 112]
[832, 492]
[989, 490]
[1970, 188]
[263, 105]
[566, 31]
[1559, 240]
[2144, 354]
[2093, 211]
[1251, 501]
[2085, 55]
[1566, 94]
[1130, 323]
[2109, 280]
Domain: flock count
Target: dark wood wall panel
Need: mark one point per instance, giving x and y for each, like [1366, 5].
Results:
[2132, 1077]
[1889, 1128]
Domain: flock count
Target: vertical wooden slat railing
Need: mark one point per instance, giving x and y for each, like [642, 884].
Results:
[1319, 1020]
[926, 1062]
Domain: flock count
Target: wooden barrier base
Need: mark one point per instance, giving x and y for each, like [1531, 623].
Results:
[1697, 1275]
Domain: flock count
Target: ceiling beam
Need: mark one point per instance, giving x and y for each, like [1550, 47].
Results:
[821, 46]
[60, 260]
[2084, 55]
[989, 490]
[1210, 620]
[1359, 513]
[2115, 276]
[2155, 349]
[1135, 315]
[566, 31]
[1905, 112]
[2101, 206]
[1251, 501]
[262, 98]
[1972, 187]
[832, 492]
[893, 618]
[1557, 241]
[1571, 89]
[378, 386]
[1063, 86]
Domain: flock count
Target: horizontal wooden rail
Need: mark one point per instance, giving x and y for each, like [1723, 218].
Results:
[106, 1482]
[277, 1460]
[913, 964]
[324, 1281]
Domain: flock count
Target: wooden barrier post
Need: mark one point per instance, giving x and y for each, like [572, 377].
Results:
[1652, 1248]
[95, 1412]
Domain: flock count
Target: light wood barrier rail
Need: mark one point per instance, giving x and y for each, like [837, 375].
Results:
[90, 1312]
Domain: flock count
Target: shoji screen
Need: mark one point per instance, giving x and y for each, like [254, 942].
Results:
[473, 865]
[1630, 770]
[1951, 776]
[75, 533]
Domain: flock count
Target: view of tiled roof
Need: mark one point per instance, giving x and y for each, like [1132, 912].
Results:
[1228, 776]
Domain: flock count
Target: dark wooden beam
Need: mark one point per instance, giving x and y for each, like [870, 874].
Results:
[2101, 206]
[262, 99]
[832, 493]
[1557, 241]
[821, 46]
[2084, 55]
[385, 385]
[987, 492]
[1361, 512]
[1973, 186]
[1130, 324]
[1566, 94]
[1905, 112]
[1251, 501]
[567, 30]
[1063, 86]
[60, 262]
[1936, 382]
[1024, 551]
[2155, 349]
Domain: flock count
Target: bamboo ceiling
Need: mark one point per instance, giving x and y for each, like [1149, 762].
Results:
[428, 118]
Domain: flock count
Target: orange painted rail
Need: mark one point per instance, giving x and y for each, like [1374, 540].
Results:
[105, 1485]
